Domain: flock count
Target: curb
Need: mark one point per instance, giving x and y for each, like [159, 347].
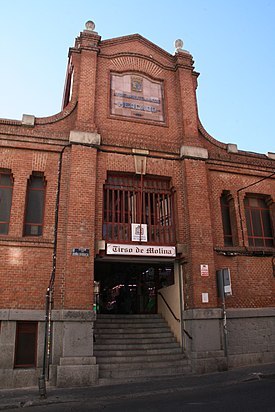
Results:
[69, 397]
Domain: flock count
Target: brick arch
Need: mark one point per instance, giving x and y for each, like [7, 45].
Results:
[137, 64]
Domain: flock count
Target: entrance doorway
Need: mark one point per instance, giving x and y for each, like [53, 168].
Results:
[130, 288]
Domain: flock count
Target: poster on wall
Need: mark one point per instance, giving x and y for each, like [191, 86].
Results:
[136, 97]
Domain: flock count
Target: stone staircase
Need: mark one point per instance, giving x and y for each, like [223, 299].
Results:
[132, 348]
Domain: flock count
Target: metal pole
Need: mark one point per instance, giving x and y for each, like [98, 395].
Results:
[225, 333]
[42, 378]
[183, 338]
[141, 201]
[49, 297]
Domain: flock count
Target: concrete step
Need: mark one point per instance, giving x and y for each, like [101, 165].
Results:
[137, 345]
[127, 318]
[143, 372]
[100, 340]
[130, 325]
[122, 322]
[141, 358]
[151, 364]
[129, 352]
[150, 335]
[129, 348]
[131, 329]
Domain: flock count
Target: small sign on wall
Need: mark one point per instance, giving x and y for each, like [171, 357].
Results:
[141, 250]
[205, 297]
[139, 232]
[81, 251]
[204, 270]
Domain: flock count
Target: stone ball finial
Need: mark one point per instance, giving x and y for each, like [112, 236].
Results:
[89, 25]
[178, 45]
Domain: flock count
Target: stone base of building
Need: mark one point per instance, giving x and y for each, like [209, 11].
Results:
[19, 378]
[249, 338]
[72, 360]
[236, 361]
[207, 362]
[77, 372]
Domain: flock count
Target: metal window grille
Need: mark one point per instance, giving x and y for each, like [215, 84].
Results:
[35, 206]
[6, 187]
[25, 345]
[142, 200]
[258, 221]
[226, 220]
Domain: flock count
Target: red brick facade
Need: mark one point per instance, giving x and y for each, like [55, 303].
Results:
[76, 148]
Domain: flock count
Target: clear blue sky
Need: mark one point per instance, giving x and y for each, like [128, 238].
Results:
[232, 43]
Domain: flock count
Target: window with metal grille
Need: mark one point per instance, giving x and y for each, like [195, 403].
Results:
[258, 222]
[138, 199]
[35, 206]
[25, 345]
[226, 219]
[6, 186]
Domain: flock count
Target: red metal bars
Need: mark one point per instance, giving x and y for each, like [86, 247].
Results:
[138, 199]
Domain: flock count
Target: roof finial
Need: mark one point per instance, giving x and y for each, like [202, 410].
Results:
[179, 47]
[89, 25]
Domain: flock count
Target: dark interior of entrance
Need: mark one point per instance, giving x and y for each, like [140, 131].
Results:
[129, 288]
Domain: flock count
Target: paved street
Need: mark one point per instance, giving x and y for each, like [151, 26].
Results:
[246, 389]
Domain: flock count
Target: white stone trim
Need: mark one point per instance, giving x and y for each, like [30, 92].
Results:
[85, 138]
[194, 152]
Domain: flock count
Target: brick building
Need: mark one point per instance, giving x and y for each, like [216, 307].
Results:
[124, 188]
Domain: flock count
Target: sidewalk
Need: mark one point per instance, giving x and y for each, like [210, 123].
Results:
[18, 398]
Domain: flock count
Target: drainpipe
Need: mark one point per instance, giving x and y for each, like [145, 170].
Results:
[183, 339]
[49, 293]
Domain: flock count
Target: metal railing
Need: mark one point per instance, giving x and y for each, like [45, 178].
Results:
[174, 316]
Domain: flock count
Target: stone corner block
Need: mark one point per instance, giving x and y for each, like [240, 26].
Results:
[28, 120]
[194, 152]
[182, 248]
[73, 315]
[232, 148]
[93, 139]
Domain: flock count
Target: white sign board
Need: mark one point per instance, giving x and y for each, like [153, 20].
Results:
[204, 270]
[204, 298]
[141, 250]
[139, 232]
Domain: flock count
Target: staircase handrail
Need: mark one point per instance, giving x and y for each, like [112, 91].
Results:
[178, 320]
[168, 306]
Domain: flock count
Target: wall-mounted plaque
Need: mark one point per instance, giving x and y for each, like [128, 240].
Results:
[139, 232]
[80, 251]
[137, 97]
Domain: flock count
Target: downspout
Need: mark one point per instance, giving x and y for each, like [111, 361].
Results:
[182, 324]
[49, 293]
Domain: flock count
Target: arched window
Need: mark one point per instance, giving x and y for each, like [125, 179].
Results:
[35, 205]
[6, 186]
[258, 221]
[226, 211]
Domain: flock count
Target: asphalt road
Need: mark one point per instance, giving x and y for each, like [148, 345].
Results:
[248, 396]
